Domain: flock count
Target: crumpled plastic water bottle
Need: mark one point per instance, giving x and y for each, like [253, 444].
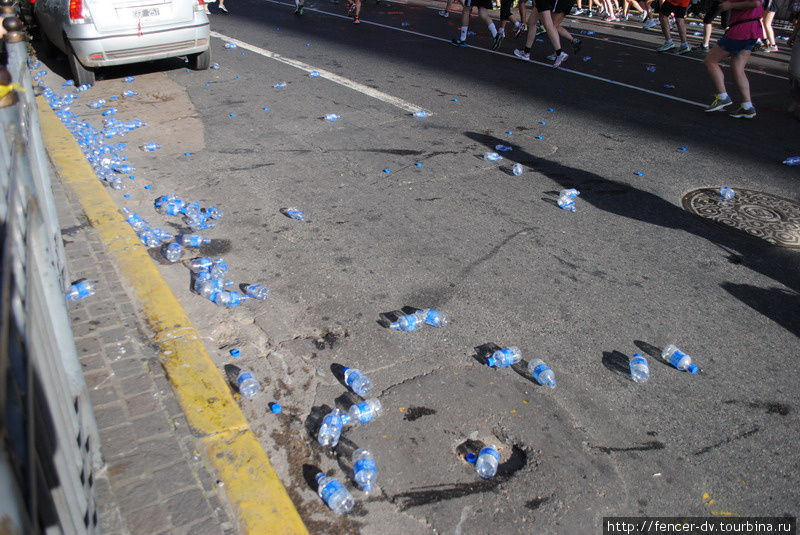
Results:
[517, 169]
[566, 199]
[726, 192]
[366, 411]
[279, 85]
[230, 46]
[420, 114]
[80, 290]
[434, 318]
[193, 240]
[331, 117]
[504, 357]
[97, 104]
[492, 157]
[257, 291]
[365, 472]
[150, 147]
[294, 213]
[172, 252]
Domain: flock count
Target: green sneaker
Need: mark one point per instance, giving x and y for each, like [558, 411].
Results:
[719, 104]
[742, 113]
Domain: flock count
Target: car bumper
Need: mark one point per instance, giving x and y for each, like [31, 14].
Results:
[100, 50]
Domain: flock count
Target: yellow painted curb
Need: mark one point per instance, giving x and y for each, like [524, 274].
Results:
[251, 484]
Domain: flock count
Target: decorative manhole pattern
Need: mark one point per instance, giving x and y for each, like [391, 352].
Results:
[769, 217]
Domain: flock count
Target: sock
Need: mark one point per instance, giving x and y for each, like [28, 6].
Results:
[559, 51]
[502, 32]
[527, 50]
[747, 105]
[722, 96]
[492, 29]
[464, 32]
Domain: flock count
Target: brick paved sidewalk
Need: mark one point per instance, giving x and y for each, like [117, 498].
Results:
[154, 480]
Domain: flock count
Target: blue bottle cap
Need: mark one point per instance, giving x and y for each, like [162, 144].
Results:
[639, 173]
[491, 361]
[418, 164]
[276, 408]
[235, 352]
[693, 369]
[471, 458]
[387, 170]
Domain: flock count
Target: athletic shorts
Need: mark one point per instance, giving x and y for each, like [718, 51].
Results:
[734, 46]
[485, 4]
[668, 9]
[505, 9]
[712, 11]
[544, 5]
[563, 6]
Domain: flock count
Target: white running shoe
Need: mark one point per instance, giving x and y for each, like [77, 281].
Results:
[650, 23]
[444, 13]
[521, 54]
[560, 59]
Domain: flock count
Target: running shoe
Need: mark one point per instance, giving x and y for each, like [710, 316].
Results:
[650, 23]
[718, 104]
[742, 113]
[356, 20]
[459, 42]
[498, 39]
[668, 45]
[299, 10]
[551, 57]
[705, 47]
[580, 11]
[771, 48]
[560, 59]
[577, 42]
[684, 48]
[223, 8]
[643, 17]
[444, 13]
[519, 29]
[521, 54]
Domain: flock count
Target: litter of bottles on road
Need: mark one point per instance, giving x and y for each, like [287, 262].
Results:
[566, 199]
[80, 290]
[293, 213]
[726, 192]
[792, 160]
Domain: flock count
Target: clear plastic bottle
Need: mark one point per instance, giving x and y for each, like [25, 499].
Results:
[420, 114]
[357, 381]
[409, 322]
[517, 169]
[364, 412]
[81, 289]
[214, 212]
[566, 199]
[172, 251]
[331, 117]
[200, 264]
[488, 459]
[365, 471]
[434, 318]
[150, 147]
[502, 148]
[542, 373]
[247, 384]
[294, 213]
[640, 370]
[334, 494]
[229, 299]
[492, 157]
[331, 429]
[792, 160]
[257, 291]
[218, 268]
[193, 240]
[504, 357]
[679, 359]
[726, 192]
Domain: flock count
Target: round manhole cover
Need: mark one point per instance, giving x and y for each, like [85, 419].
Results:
[765, 216]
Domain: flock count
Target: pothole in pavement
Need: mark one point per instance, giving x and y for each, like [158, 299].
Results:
[762, 215]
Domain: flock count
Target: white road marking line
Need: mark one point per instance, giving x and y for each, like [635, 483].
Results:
[486, 50]
[350, 84]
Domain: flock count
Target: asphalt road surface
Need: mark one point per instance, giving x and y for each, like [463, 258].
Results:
[629, 271]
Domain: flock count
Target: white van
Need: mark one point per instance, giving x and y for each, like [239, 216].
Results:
[101, 33]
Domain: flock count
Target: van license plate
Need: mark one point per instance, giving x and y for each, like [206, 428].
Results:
[147, 12]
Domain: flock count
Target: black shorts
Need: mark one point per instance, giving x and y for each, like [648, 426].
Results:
[485, 4]
[563, 6]
[713, 10]
[505, 9]
[543, 5]
[668, 9]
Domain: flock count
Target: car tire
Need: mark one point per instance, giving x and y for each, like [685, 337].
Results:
[80, 74]
[201, 61]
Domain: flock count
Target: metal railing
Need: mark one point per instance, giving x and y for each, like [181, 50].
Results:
[50, 445]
